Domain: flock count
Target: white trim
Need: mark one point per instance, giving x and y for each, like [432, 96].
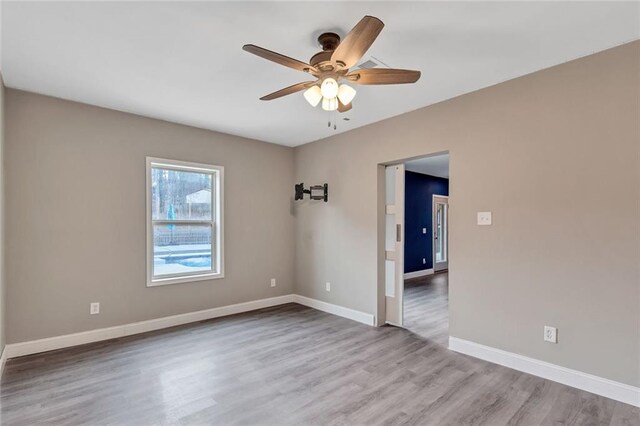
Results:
[42, 345]
[183, 279]
[341, 311]
[216, 222]
[3, 359]
[441, 265]
[416, 274]
[577, 379]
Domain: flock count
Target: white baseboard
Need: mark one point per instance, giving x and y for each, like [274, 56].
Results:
[341, 311]
[14, 350]
[42, 345]
[416, 274]
[577, 379]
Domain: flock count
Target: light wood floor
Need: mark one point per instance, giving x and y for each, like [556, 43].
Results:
[426, 307]
[285, 365]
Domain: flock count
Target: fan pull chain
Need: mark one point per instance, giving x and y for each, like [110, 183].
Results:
[332, 115]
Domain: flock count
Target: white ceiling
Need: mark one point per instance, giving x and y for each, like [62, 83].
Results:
[437, 165]
[182, 61]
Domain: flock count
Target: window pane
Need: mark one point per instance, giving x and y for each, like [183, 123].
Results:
[180, 195]
[179, 249]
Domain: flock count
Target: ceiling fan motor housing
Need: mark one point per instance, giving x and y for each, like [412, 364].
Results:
[322, 60]
[329, 41]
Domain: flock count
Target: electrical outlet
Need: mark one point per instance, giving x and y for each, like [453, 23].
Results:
[273, 282]
[424, 261]
[328, 286]
[94, 308]
[550, 334]
[484, 218]
[424, 230]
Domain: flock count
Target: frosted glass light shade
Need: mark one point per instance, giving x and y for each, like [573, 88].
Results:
[346, 94]
[329, 88]
[313, 95]
[330, 104]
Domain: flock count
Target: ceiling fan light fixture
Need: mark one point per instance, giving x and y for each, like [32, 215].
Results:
[336, 62]
[313, 95]
[329, 88]
[330, 104]
[346, 94]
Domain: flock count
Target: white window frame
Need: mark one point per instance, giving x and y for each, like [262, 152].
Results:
[217, 221]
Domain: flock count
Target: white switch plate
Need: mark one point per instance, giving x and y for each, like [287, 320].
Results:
[484, 218]
[94, 308]
[273, 282]
[328, 286]
[550, 334]
[424, 230]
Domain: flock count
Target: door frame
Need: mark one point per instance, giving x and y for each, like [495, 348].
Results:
[394, 244]
[433, 233]
[381, 314]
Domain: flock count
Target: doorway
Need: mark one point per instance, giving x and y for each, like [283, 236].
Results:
[416, 246]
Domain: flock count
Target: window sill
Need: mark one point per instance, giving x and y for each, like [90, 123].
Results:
[181, 280]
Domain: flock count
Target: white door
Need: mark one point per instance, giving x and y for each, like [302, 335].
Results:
[394, 243]
[440, 233]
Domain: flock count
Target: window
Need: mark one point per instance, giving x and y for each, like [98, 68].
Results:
[184, 222]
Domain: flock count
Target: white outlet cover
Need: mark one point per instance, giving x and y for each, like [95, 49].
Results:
[94, 308]
[424, 230]
[550, 334]
[328, 286]
[424, 261]
[484, 218]
[273, 282]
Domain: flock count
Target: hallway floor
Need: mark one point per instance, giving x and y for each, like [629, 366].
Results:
[426, 307]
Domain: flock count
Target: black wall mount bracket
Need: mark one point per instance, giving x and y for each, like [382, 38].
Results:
[316, 192]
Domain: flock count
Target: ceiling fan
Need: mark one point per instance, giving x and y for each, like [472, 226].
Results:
[331, 66]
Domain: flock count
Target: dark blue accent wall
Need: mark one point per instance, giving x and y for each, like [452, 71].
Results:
[418, 193]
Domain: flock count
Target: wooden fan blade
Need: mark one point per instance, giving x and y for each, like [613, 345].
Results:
[357, 42]
[280, 59]
[288, 90]
[383, 76]
[344, 108]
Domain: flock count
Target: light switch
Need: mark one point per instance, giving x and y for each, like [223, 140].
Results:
[484, 218]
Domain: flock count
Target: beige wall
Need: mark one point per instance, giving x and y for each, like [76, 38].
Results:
[76, 217]
[555, 156]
